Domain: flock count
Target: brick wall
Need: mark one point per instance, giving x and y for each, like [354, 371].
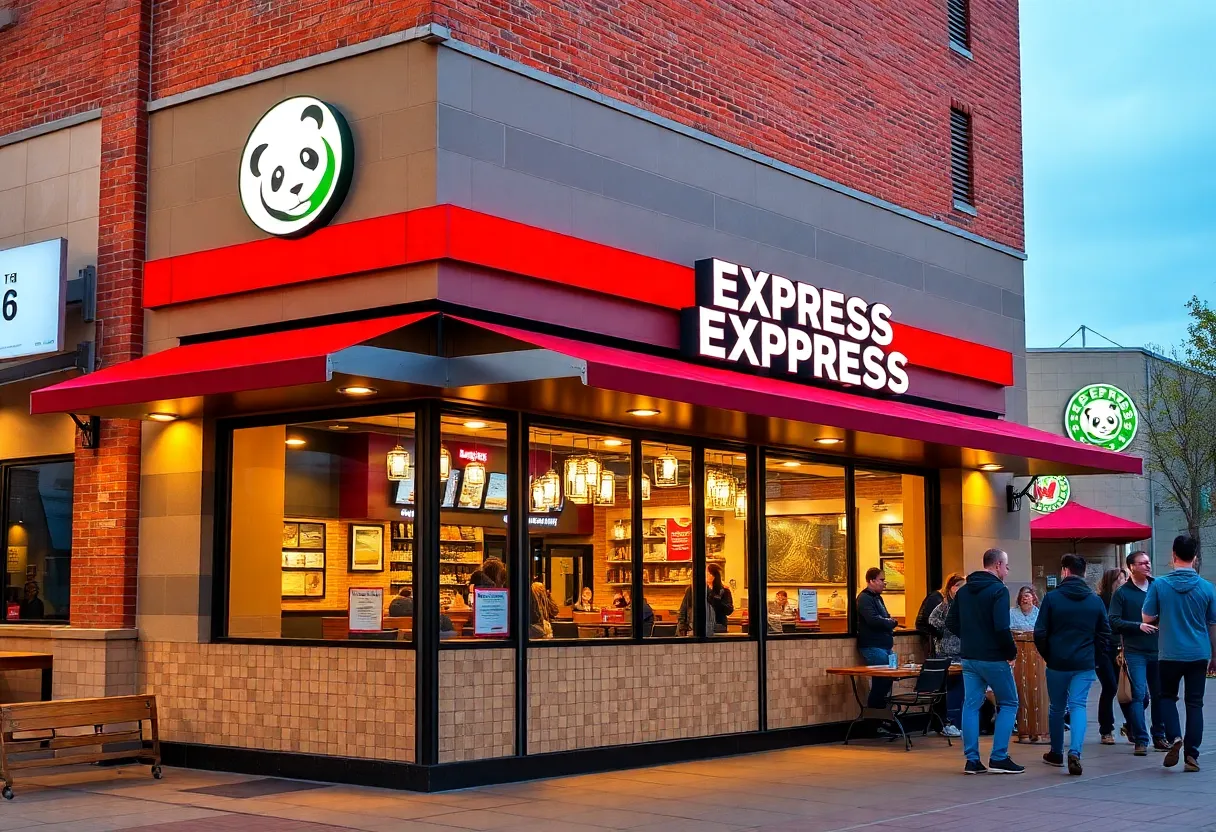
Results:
[857, 91]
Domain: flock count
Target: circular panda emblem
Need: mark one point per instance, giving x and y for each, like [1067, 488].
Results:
[296, 167]
[1103, 415]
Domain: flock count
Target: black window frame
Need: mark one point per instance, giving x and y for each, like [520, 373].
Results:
[6, 467]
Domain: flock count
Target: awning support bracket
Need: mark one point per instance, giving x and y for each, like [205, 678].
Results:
[1013, 497]
[90, 430]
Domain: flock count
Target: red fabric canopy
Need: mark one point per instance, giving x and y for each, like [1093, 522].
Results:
[1078, 522]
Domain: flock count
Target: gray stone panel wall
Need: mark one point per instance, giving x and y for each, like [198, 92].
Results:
[521, 149]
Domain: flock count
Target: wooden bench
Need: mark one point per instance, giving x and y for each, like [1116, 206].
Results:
[45, 720]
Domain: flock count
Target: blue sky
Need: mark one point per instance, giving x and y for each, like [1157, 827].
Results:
[1119, 121]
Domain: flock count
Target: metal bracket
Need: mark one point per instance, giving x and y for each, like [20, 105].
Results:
[85, 356]
[1013, 497]
[90, 430]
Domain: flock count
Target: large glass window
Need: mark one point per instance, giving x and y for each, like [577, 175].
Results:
[891, 538]
[807, 528]
[321, 536]
[579, 511]
[37, 540]
[726, 552]
[474, 547]
[667, 538]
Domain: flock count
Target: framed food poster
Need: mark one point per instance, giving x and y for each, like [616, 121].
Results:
[471, 494]
[893, 571]
[890, 539]
[366, 548]
[291, 535]
[314, 584]
[312, 537]
[496, 493]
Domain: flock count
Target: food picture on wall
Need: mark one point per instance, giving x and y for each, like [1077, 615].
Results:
[366, 548]
[496, 493]
[312, 536]
[294, 560]
[291, 535]
[893, 571]
[293, 584]
[314, 560]
[470, 494]
[890, 538]
[314, 584]
[806, 549]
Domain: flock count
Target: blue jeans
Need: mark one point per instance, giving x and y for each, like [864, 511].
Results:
[977, 678]
[954, 701]
[880, 689]
[1068, 690]
[1146, 693]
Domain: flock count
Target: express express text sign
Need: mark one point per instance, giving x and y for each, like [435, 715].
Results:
[33, 285]
[768, 324]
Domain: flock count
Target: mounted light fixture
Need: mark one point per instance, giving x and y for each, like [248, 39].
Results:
[880, 505]
[445, 464]
[720, 489]
[642, 411]
[990, 467]
[829, 440]
[546, 490]
[295, 442]
[582, 478]
[605, 494]
[666, 471]
[357, 390]
[398, 459]
[162, 417]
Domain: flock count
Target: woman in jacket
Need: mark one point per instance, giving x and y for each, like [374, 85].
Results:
[946, 645]
[1107, 663]
[719, 596]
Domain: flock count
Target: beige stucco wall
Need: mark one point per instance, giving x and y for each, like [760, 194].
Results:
[975, 518]
[476, 704]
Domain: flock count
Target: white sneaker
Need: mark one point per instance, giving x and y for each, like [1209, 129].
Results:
[951, 731]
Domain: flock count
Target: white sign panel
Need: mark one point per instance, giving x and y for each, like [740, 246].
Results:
[366, 609]
[490, 611]
[33, 290]
[808, 605]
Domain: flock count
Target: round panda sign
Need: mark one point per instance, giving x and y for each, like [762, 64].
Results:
[296, 167]
[1103, 415]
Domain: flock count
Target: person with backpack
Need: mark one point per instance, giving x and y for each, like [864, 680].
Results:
[1071, 634]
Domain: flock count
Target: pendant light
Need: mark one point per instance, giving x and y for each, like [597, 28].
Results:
[666, 470]
[605, 494]
[445, 464]
[398, 460]
[720, 489]
[741, 504]
[547, 488]
[620, 531]
[645, 487]
[475, 471]
[582, 478]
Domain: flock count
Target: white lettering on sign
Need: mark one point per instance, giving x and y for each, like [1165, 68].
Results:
[769, 324]
[474, 456]
[33, 290]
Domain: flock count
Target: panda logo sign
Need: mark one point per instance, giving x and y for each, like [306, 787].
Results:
[296, 167]
[1103, 415]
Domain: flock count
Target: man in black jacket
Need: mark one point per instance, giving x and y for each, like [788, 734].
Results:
[1070, 634]
[980, 615]
[874, 628]
[1140, 654]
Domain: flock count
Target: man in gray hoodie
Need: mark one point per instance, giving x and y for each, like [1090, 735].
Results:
[1183, 606]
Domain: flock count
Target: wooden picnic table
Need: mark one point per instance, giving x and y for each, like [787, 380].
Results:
[30, 661]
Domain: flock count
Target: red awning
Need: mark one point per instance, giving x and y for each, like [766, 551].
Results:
[1078, 522]
[254, 362]
[669, 378]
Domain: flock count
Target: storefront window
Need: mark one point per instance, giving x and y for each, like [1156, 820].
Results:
[807, 532]
[891, 537]
[726, 553]
[321, 541]
[37, 540]
[667, 539]
[474, 547]
[579, 533]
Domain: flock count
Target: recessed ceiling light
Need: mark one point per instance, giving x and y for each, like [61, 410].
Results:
[829, 440]
[163, 417]
[990, 466]
[295, 442]
[613, 443]
[741, 458]
[642, 411]
[474, 425]
[339, 427]
[789, 463]
[357, 390]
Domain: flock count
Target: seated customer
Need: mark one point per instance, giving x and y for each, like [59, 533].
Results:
[584, 602]
[779, 610]
[403, 604]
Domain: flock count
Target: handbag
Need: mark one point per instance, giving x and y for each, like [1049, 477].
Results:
[1124, 693]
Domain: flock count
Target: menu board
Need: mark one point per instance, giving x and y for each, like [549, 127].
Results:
[808, 605]
[453, 486]
[679, 539]
[366, 609]
[405, 493]
[490, 612]
[470, 494]
[496, 493]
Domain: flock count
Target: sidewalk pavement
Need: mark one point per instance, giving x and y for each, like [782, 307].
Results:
[870, 785]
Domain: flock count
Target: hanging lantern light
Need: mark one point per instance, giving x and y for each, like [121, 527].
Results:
[720, 490]
[605, 494]
[645, 487]
[475, 473]
[398, 462]
[582, 479]
[842, 523]
[741, 504]
[445, 464]
[711, 528]
[666, 471]
[620, 531]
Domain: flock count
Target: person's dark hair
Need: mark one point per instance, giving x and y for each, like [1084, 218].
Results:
[1130, 559]
[496, 571]
[716, 571]
[1075, 564]
[992, 557]
[480, 580]
[1106, 586]
[872, 573]
[406, 592]
[1185, 548]
[951, 580]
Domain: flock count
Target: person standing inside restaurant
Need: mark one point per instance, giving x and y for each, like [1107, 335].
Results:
[718, 594]
[874, 628]
[1139, 655]
[1183, 606]
[980, 616]
[1108, 663]
[1070, 634]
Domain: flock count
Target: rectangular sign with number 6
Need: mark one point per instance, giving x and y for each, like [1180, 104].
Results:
[33, 290]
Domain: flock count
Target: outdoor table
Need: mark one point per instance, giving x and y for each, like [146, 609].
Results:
[887, 713]
[30, 661]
